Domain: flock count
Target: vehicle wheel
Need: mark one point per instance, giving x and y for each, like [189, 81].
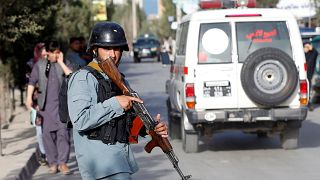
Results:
[269, 76]
[174, 124]
[136, 60]
[190, 141]
[289, 138]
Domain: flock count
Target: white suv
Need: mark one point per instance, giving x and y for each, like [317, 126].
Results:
[238, 69]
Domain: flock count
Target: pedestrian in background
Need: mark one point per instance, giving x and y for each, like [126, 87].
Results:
[311, 58]
[100, 129]
[49, 74]
[73, 53]
[39, 54]
[83, 50]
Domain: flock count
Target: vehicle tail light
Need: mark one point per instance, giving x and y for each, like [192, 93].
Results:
[190, 97]
[185, 70]
[303, 92]
[305, 67]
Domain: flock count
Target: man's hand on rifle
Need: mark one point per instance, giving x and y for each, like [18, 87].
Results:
[126, 101]
[161, 128]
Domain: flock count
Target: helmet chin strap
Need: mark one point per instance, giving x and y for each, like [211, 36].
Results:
[95, 54]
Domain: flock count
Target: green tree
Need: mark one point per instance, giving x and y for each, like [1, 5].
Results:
[267, 3]
[25, 22]
[73, 19]
[22, 23]
[123, 16]
[317, 18]
[169, 11]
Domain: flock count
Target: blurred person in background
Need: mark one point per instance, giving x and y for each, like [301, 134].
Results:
[311, 58]
[39, 54]
[83, 50]
[73, 53]
[49, 75]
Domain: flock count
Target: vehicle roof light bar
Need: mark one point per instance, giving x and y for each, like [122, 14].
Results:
[218, 4]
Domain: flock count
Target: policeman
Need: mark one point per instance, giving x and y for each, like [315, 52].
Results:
[101, 121]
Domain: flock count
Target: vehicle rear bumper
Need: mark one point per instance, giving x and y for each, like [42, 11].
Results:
[246, 115]
[146, 55]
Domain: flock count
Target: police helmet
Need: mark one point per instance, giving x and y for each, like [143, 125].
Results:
[107, 34]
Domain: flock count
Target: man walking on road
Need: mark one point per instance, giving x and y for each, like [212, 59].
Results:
[311, 58]
[49, 74]
[101, 125]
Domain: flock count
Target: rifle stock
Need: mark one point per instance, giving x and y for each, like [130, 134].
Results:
[111, 70]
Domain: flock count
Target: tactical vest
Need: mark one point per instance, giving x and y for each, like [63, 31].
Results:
[117, 129]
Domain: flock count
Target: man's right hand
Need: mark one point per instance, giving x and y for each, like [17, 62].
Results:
[126, 101]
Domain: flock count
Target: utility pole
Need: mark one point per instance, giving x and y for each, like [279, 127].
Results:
[134, 20]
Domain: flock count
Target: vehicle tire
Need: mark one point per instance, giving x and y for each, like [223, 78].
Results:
[289, 138]
[136, 60]
[190, 140]
[173, 123]
[269, 76]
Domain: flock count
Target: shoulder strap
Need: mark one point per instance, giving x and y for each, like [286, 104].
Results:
[94, 72]
[105, 88]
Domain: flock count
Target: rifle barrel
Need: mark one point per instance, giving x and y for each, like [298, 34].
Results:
[174, 160]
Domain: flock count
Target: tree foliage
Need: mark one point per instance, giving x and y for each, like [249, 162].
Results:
[123, 16]
[73, 19]
[267, 3]
[25, 22]
[22, 24]
[22, 21]
[169, 11]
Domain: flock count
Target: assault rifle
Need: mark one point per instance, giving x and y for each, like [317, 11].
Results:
[110, 69]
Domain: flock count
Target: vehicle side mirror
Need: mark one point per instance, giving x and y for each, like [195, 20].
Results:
[165, 58]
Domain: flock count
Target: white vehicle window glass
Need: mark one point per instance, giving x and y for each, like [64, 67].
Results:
[252, 36]
[147, 41]
[214, 43]
[181, 47]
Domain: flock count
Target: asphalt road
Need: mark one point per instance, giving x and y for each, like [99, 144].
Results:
[224, 156]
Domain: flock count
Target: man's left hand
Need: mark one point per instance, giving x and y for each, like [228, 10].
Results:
[161, 128]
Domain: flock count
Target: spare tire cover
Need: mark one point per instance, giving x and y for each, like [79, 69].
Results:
[269, 76]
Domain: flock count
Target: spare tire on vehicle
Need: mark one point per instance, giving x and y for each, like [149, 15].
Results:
[269, 76]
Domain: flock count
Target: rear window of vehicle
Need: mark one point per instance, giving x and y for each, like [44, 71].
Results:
[147, 41]
[252, 36]
[214, 43]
